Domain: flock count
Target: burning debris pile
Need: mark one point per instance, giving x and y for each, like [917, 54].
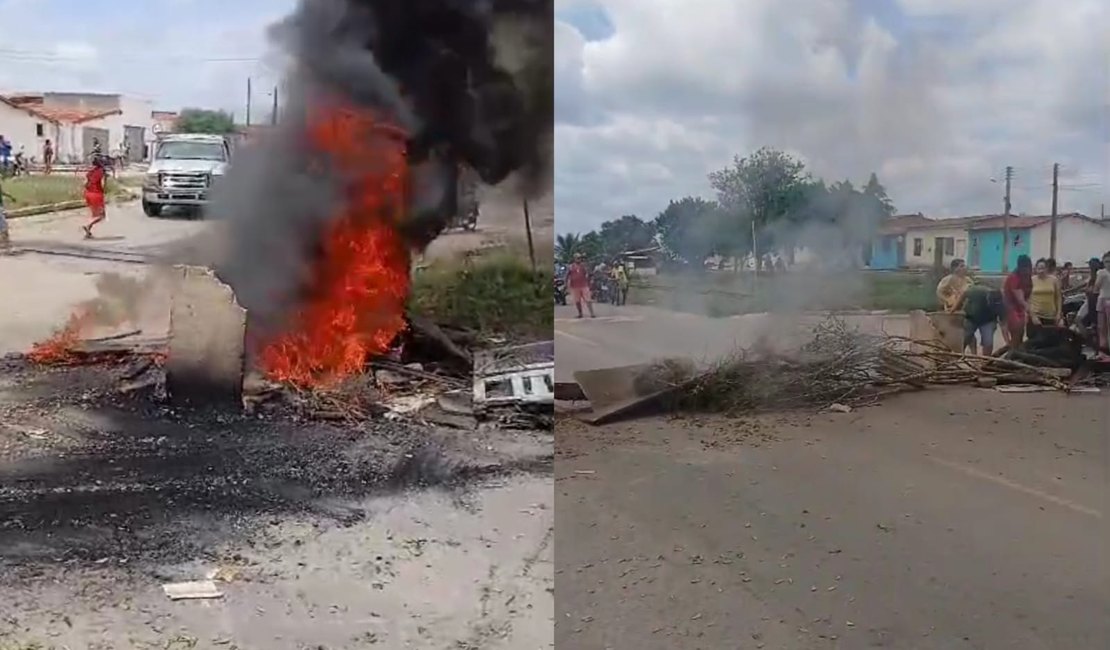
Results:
[387, 100]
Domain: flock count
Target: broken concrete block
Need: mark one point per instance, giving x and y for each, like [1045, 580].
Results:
[207, 343]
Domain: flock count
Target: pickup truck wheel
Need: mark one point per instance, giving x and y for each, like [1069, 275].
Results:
[152, 209]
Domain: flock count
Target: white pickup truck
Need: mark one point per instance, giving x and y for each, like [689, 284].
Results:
[183, 169]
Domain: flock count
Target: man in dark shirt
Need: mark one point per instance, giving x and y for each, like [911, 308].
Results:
[982, 307]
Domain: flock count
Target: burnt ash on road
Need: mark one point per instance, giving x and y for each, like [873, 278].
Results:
[92, 476]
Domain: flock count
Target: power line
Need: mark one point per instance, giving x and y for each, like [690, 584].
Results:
[8, 54]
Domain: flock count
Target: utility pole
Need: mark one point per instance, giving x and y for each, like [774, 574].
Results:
[274, 111]
[1006, 222]
[528, 230]
[1055, 197]
[248, 101]
[755, 251]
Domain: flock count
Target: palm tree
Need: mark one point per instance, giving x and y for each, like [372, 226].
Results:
[566, 246]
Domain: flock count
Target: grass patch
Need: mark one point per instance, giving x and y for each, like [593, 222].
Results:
[495, 296]
[727, 294]
[57, 188]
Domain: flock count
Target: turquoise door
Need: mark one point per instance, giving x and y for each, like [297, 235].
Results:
[989, 244]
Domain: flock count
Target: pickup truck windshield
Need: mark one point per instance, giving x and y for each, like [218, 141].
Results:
[182, 150]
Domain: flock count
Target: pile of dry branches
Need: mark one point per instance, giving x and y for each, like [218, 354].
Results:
[840, 365]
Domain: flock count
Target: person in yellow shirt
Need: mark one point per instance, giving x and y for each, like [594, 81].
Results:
[1046, 300]
[620, 279]
[951, 288]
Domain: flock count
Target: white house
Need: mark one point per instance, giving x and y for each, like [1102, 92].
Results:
[925, 238]
[1078, 238]
[73, 120]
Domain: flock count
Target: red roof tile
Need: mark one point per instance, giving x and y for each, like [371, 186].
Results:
[900, 223]
[1026, 221]
[57, 115]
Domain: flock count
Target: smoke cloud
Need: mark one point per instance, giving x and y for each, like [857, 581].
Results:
[470, 82]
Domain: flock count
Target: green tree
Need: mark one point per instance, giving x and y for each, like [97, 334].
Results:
[875, 191]
[626, 234]
[766, 188]
[199, 120]
[689, 229]
[566, 246]
[592, 246]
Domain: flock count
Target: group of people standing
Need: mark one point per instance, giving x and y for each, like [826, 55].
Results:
[1031, 298]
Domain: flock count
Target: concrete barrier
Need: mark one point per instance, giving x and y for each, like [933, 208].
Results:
[207, 343]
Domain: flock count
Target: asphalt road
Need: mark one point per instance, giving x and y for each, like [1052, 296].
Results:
[639, 334]
[444, 569]
[956, 519]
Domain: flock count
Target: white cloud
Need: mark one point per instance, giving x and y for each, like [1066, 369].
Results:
[937, 100]
[177, 53]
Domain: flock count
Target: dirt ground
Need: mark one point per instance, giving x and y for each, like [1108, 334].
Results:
[949, 520]
[387, 534]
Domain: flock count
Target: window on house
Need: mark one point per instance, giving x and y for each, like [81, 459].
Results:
[949, 245]
[39, 130]
[918, 245]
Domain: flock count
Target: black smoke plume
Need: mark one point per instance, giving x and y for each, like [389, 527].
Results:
[470, 81]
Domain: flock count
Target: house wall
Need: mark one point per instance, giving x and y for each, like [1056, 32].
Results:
[989, 244]
[1077, 240]
[20, 127]
[928, 237]
[134, 113]
[884, 253]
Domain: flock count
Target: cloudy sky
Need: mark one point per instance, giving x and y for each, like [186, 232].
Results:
[936, 96]
[174, 52]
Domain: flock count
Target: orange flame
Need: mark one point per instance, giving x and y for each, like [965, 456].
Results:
[59, 348]
[353, 306]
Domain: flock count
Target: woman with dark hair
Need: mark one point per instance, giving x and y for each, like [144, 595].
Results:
[1046, 301]
[94, 195]
[1015, 298]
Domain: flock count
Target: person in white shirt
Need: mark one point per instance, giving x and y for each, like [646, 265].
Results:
[1102, 304]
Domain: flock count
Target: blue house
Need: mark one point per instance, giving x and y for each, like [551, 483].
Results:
[888, 248]
[1079, 238]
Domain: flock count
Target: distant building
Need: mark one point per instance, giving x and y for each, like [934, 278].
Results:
[888, 248]
[164, 121]
[916, 241]
[1078, 238]
[73, 120]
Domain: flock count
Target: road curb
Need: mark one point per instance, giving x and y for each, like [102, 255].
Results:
[36, 210]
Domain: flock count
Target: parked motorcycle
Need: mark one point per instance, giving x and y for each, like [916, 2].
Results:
[560, 291]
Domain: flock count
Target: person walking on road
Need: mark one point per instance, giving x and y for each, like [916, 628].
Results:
[578, 282]
[620, 279]
[48, 157]
[94, 195]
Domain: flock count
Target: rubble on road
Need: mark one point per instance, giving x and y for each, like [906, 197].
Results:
[204, 360]
[839, 370]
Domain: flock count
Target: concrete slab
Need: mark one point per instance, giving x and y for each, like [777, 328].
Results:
[207, 345]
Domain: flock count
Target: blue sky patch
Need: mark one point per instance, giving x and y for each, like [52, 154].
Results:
[590, 20]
